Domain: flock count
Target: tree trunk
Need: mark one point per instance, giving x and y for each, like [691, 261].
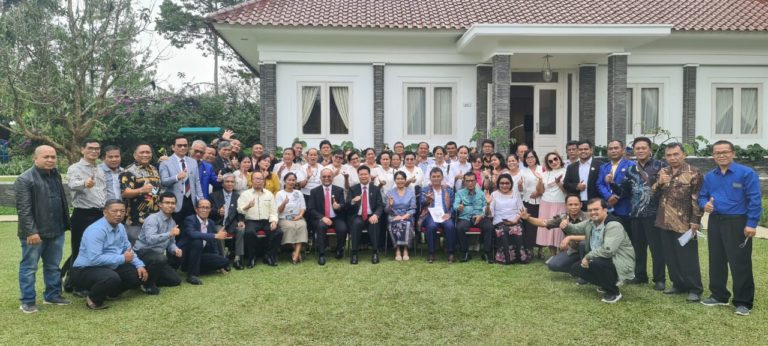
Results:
[216, 53]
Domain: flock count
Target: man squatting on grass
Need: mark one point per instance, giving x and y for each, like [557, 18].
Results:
[106, 265]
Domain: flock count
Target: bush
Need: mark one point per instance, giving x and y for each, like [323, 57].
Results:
[19, 164]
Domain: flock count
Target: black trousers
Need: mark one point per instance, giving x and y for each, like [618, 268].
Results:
[726, 233]
[81, 219]
[339, 225]
[199, 258]
[529, 230]
[187, 209]
[103, 282]
[486, 229]
[255, 245]
[357, 225]
[562, 262]
[160, 272]
[683, 262]
[601, 273]
[644, 235]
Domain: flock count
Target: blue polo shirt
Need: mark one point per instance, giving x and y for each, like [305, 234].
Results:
[737, 192]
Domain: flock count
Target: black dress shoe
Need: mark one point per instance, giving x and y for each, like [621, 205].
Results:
[353, 259]
[321, 260]
[339, 254]
[659, 286]
[251, 263]
[375, 258]
[465, 258]
[238, 265]
[270, 261]
[194, 280]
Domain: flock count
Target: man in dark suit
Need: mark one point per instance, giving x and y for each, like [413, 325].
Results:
[326, 206]
[224, 212]
[199, 239]
[365, 209]
[581, 176]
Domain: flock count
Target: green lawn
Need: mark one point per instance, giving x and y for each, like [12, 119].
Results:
[389, 303]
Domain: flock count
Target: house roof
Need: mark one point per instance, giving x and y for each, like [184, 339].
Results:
[688, 15]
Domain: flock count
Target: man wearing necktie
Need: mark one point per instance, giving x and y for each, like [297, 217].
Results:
[179, 175]
[225, 214]
[326, 206]
[365, 204]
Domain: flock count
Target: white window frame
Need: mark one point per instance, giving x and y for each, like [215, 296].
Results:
[325, 109]
[637, 107]
[737, 110]
[430, 112]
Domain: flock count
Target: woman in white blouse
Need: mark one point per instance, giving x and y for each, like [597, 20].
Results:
[552, 201]
[290, 209]
[370, 158]
[384, 175]
[413, 173]
[242, 175]
[397, 161]
[311, 171]
[505, 206]
[459, 167]
[530, 174]
[439, 153]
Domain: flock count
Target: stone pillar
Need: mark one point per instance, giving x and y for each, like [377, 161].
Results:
[502, 75]
[689, 102]
[268, 100]
[378, 107]
[587, 93]
[484, 77]
[617, 96]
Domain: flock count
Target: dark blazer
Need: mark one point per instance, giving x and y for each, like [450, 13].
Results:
[221, 165]
[217, 201]
[374, 200]
[191, 231]
[572, 178]
[33, 205]
[317, 201]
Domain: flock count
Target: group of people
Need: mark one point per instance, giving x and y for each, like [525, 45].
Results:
[209, 208]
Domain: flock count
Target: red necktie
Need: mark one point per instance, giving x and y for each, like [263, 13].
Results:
[365, 204]
[328, 202]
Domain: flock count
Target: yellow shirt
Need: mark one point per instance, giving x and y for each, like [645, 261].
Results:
[272, 184]
[264, 208]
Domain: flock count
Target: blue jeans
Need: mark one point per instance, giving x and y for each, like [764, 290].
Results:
[51, 250]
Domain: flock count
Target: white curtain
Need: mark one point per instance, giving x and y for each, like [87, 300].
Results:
[308, 98]
[341, 97]
[650, 109]
[443, 111]
[630, 121]
[417, 111]
[749, 111]
[724, 110]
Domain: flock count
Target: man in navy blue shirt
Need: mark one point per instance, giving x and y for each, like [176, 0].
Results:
[731, 195]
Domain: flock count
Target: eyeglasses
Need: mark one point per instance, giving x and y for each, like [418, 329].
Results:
[354, 159]
[198, 152]
[182, 145]
[553, 160]
[722, 153]
[408, 159]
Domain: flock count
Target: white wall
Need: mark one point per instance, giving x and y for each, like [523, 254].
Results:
[464, 77]
[360, 79]
[709, 75]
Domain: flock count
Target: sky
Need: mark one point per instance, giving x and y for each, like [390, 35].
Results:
[172, 61]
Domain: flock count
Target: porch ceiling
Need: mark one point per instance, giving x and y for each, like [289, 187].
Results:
[491, 39]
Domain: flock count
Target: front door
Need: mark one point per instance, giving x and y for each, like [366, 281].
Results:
[548, 125]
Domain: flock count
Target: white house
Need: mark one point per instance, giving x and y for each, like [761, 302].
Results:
[378, 71]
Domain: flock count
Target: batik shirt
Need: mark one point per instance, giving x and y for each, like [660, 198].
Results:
[678, 200]
[637, 183]
[141, 206]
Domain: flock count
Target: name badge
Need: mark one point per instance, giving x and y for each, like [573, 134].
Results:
[737, 186]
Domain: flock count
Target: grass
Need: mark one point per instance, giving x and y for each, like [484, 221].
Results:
[389, 303]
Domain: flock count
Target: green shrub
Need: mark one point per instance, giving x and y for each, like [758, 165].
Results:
[764, 217]
[19, 164]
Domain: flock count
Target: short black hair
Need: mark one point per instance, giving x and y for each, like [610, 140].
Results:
[401, 173]
[450, 143]
[673, 145]
[435, 170]
[363, 168]
[436, 148]
[113, 201]
[488, 141]
[324, 142]
[585, 141]
[571, 195]
[85, 142]
[470, 174]
[197, 204]
[621, 143]
[177, 137]
[572, 142]
[603, 203]
[642, 139]
[723, 142]
[166, 194]
[108, 149]
[136, 147]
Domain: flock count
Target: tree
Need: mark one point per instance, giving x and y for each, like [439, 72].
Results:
[182, 22]
[65, 65]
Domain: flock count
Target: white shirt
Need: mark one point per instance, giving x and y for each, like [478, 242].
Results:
[552, 192]
[313, 181]
[294, 168]
[364, 189]
[458, 169]
[295, 204]
[529, 184]
[446, 171]
[203, 227]
[416, 173]
[386, 176]
[584, 168]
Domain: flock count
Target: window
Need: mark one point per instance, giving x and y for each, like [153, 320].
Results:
[429, 109]
[643, 109]
[737, 109]
[324, 109]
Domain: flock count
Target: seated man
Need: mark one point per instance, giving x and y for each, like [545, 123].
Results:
[440, 198]
[158, 234]
[200, 243]
[470, 207]
[366, 206]
[106, 266]
[224, 212]
[610, 258]
[326, 212]
[258, 206]
[564, 260]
